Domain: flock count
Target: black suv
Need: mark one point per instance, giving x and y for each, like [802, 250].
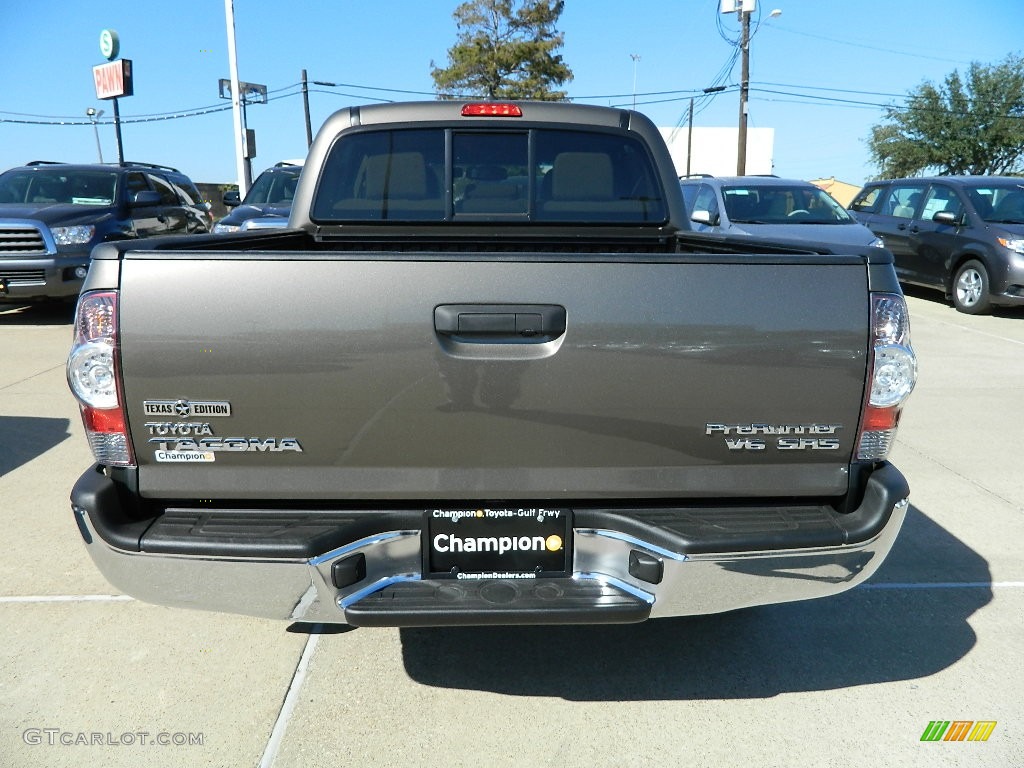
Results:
[961, 234]
[267, 203]
[52, 214]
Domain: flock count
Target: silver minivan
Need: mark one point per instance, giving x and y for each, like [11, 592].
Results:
[770, 207]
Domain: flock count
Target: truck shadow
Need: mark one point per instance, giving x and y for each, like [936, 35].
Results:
[888, 629]
[23, 438]
[44, 313]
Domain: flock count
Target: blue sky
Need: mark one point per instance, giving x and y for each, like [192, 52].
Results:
[819, 72]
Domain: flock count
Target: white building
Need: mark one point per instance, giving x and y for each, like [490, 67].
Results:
[713, 150]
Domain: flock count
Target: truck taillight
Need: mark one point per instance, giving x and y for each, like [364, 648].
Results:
[893, 373]
[95, 379]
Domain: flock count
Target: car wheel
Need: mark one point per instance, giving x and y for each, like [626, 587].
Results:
[970, 288]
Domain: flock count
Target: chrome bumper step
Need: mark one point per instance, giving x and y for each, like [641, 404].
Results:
[447, 602]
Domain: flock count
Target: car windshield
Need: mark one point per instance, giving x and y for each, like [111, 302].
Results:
[778, 204]
[272, 189]
[1002, 204]
[51, 185]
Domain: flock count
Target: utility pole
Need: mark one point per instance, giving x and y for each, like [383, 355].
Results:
[242, 165]
[305, 104]
[741, 147]
[744, 8]
[689, 138]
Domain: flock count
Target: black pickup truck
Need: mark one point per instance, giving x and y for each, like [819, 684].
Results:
[487, 376]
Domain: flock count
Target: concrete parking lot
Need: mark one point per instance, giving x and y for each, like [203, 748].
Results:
[92, 678]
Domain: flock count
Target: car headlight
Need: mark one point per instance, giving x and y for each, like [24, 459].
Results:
[1015, 244]
[77, 235]
[220, 229]
[265, 222]
[877, 242]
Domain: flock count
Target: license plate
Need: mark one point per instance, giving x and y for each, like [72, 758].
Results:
[497, 542]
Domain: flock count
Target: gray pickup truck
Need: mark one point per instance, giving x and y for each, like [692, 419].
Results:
[488, 376]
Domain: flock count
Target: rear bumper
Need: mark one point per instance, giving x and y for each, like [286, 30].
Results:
[365, 568]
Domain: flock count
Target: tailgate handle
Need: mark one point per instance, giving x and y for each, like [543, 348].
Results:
[498, 323]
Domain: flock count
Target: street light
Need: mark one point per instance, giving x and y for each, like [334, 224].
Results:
[689, 130]
[94, 115]
[741, 148]
[635, 57]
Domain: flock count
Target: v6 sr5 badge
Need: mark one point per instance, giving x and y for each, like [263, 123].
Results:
[782, 437]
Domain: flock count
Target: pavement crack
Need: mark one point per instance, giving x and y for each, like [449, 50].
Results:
[291, 698]
[33, 376]
[1012, 503]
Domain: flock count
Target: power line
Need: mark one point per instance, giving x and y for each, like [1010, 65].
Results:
[375, 88]
[280, 93]
[800, 100]
[814, 98]
[830, 90]
[914, 105]
[800, 94]
[867, 47]
[351, 95]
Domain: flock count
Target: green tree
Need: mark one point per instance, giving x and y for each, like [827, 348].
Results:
[974, 126]
[506, 49]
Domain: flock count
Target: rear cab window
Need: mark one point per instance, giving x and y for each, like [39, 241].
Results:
[470, 175]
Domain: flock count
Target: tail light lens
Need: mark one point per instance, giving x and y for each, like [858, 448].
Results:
[95, 378]
[492, 109]
[893, 369]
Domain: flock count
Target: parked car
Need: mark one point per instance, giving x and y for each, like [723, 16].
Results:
[52, 214]
[963, 235]
[268, 202]
[767, 206]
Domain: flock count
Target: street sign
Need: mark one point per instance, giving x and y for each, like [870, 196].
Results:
[252, 93]
[113, 79]
[110, 44]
